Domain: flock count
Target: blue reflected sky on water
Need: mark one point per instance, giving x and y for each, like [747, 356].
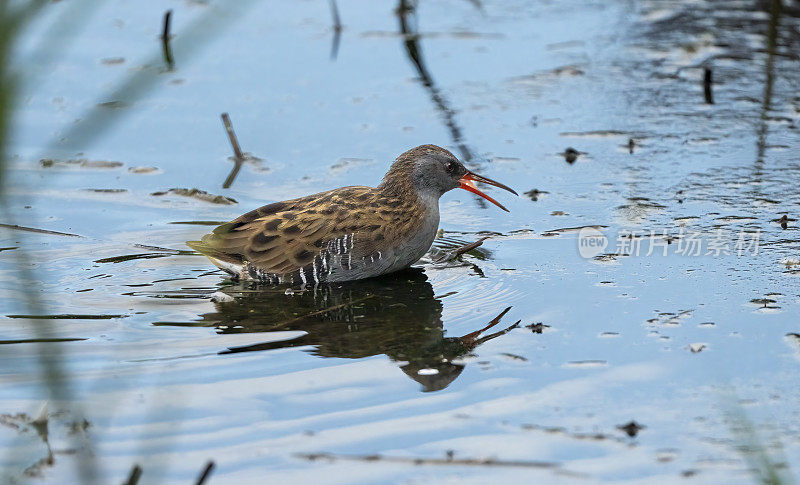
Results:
[523, 82]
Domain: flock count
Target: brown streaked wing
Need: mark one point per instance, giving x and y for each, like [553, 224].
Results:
[284, 237]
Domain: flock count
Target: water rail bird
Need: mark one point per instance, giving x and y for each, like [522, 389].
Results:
[348, 233]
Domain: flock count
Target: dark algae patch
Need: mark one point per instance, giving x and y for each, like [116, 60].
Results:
[198, 194]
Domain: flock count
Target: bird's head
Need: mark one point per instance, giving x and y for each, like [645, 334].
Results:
[432, 171]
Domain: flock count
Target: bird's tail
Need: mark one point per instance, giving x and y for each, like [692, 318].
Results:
[229, 263]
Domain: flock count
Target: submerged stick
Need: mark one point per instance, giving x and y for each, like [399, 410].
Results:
[237, 152]
[337, 30]
[708, 79]
[133, 478]
[469, 247]
[38, 231]
[226, 120]
[470, 337]
[489, 462]
[337, 22]
[451, 255]
[206, 473]
[165, 36]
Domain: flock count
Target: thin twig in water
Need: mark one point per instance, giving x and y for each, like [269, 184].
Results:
[470, 337]
[451, 255]
[337, 29]
[337, 22]
[38, 231]
[470, 247]
[489, 462]
[206, 473]
[406, 12]
[237, 152]
[707, 83]
[165, 36]
[133, 478]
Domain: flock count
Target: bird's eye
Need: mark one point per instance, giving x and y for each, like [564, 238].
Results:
[450, 167]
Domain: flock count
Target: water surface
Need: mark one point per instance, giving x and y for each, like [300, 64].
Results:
[520, 360]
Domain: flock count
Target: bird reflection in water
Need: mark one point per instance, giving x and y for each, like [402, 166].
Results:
[395, 315]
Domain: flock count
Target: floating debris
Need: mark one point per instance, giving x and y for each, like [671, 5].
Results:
[537, 327]
[112, 60]
[38, 231]
[571, 70]
[631, 429]
[113, 104]
[144, 170]
[345, 164]
[107, 191]
[593, 134]
[571, 154]
[790, 263]
[132, 257]
[586, 363]
[200, 223]
[707, 83]
[199, 195]
[638, 209]
[670, 319]
[487, 462]
[535, 194]
[41, 340]
[78, 162]
[784, 221]
[578, 436]
[697, 347]
[564, 230]
[734, 218]
[766, 202]
[762, 301]
[607, 257]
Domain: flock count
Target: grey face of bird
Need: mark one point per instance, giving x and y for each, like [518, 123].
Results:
[437, 173]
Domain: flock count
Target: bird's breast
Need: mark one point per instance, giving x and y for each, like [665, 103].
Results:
[415, 244]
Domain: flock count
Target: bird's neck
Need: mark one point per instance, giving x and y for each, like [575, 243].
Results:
[401, 187]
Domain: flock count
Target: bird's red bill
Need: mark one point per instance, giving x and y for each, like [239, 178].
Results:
[468, 183]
